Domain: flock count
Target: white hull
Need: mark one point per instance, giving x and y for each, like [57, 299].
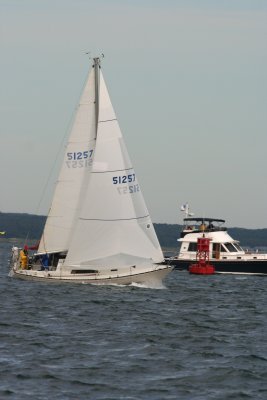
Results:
[151, 278]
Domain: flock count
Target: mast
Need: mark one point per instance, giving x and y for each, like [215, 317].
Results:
[96, 65]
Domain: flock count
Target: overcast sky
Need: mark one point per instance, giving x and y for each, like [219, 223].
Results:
[188, 81]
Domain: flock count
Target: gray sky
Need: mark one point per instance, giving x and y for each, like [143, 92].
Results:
[188, 81]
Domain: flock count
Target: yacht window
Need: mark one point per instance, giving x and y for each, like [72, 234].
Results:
[238, 247]
[230, 247]
[215, 246]
[223, 249]
[192, 246]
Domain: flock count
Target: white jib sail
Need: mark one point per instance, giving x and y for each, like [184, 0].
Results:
[114, 227]
[77, 159]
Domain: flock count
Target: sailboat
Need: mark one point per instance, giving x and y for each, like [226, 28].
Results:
[98, 229]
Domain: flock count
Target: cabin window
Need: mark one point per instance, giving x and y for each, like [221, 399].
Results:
[84, 271]
[223, 249]
[230, 247]
[192, 246]
[216, 247]
[238, 247]
[216, 250]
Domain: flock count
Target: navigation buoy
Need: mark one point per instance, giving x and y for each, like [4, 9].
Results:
[202, 267]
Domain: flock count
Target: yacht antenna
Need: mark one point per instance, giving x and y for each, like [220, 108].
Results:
[185, 208]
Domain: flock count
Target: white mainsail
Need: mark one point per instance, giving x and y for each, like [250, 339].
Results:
[113, 227]
[77, 159]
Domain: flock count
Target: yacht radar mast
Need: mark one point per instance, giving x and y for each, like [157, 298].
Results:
[186, 209]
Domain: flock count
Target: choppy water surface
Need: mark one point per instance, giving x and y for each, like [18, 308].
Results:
[200, 338]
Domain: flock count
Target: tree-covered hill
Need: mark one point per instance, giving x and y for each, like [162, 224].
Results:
[28, 226]
[21, 225]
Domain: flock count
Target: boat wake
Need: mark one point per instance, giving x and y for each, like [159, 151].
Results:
[150, 285]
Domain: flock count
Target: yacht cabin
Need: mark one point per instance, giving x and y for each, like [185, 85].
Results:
[222, 245]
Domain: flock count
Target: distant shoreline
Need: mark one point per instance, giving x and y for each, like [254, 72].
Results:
[19, 227]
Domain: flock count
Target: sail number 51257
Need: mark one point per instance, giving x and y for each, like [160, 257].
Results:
[79, 159]
[117, 180]
[79, 155]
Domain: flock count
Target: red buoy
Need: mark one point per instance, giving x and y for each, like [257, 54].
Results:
[202, 267]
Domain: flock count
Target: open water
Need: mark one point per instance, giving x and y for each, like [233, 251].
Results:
[200, 338]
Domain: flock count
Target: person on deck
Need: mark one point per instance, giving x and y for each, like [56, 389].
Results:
[23, 255]
[202, 227]
[45, 262]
